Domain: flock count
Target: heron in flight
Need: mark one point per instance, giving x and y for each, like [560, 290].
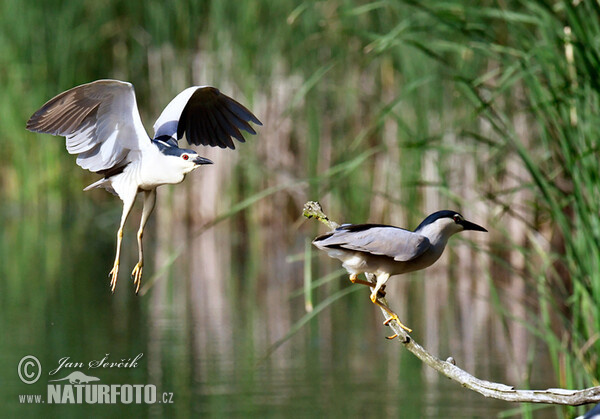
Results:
[384, 250]
[102, 125]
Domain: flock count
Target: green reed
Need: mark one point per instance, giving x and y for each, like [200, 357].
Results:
[544, 59]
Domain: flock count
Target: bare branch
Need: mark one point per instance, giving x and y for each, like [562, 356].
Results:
[450, 370]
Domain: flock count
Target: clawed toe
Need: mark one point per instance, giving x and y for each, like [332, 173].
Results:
[395, 317]
[136, 275]
[113, 275]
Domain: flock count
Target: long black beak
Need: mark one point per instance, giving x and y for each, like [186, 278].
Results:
[202, 160]
[467, 225]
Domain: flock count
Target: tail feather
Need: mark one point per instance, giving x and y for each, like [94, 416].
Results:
[102, 183]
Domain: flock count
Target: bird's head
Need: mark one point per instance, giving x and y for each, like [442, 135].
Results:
[444, 224]
[180, 160]
[188, 160]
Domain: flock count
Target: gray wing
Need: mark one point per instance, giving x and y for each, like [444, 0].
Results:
[100, 121]
[206, 117]
[397, 243]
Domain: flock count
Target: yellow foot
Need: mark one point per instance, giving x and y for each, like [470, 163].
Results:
[394, 316]
[136, 275]
[114, 273]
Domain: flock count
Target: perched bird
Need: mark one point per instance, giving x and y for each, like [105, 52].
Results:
[384, 250]
[102, 124]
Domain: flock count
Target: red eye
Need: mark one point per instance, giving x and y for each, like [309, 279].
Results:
[185, 157]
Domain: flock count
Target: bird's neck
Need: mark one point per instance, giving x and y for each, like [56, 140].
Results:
[437, 238]
[159, 169]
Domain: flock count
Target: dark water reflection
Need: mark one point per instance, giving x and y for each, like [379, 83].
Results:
[204, 325]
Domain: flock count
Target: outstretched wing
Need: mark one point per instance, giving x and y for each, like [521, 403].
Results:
[100, 121]
[206, 116]
[376, 239]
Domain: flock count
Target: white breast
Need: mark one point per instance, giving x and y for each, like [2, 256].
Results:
[157, 169]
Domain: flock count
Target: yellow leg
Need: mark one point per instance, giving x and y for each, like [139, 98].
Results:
[128, 200]
[379, 286]
[393, 315]
[114, 272]
[149, 201]
[354, 279]
[381, 280]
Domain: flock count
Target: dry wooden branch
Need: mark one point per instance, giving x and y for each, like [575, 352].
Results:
[450, 370]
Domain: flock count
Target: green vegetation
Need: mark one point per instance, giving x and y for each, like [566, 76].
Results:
[382, 110]
[539, 94]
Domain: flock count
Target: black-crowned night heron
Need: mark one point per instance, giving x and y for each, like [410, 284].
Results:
[384, 250]
[102, 124]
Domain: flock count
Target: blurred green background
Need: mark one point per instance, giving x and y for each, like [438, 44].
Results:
[384, 111]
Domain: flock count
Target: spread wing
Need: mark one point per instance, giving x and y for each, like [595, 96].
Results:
[206, 116]
[376, 239]
[100, 121]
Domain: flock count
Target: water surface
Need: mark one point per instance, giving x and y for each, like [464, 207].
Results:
[205, 331]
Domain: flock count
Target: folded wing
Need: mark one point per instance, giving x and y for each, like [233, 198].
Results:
[100, 121]
[397, 243]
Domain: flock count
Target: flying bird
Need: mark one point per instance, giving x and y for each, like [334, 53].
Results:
[102, 125]
[384, 250]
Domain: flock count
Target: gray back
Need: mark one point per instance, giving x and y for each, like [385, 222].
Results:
[397, 243]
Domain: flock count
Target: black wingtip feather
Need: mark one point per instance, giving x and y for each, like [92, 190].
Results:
[323, 237]
[215, 120]
[221, 131]
[241, 110]
[238, 121]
